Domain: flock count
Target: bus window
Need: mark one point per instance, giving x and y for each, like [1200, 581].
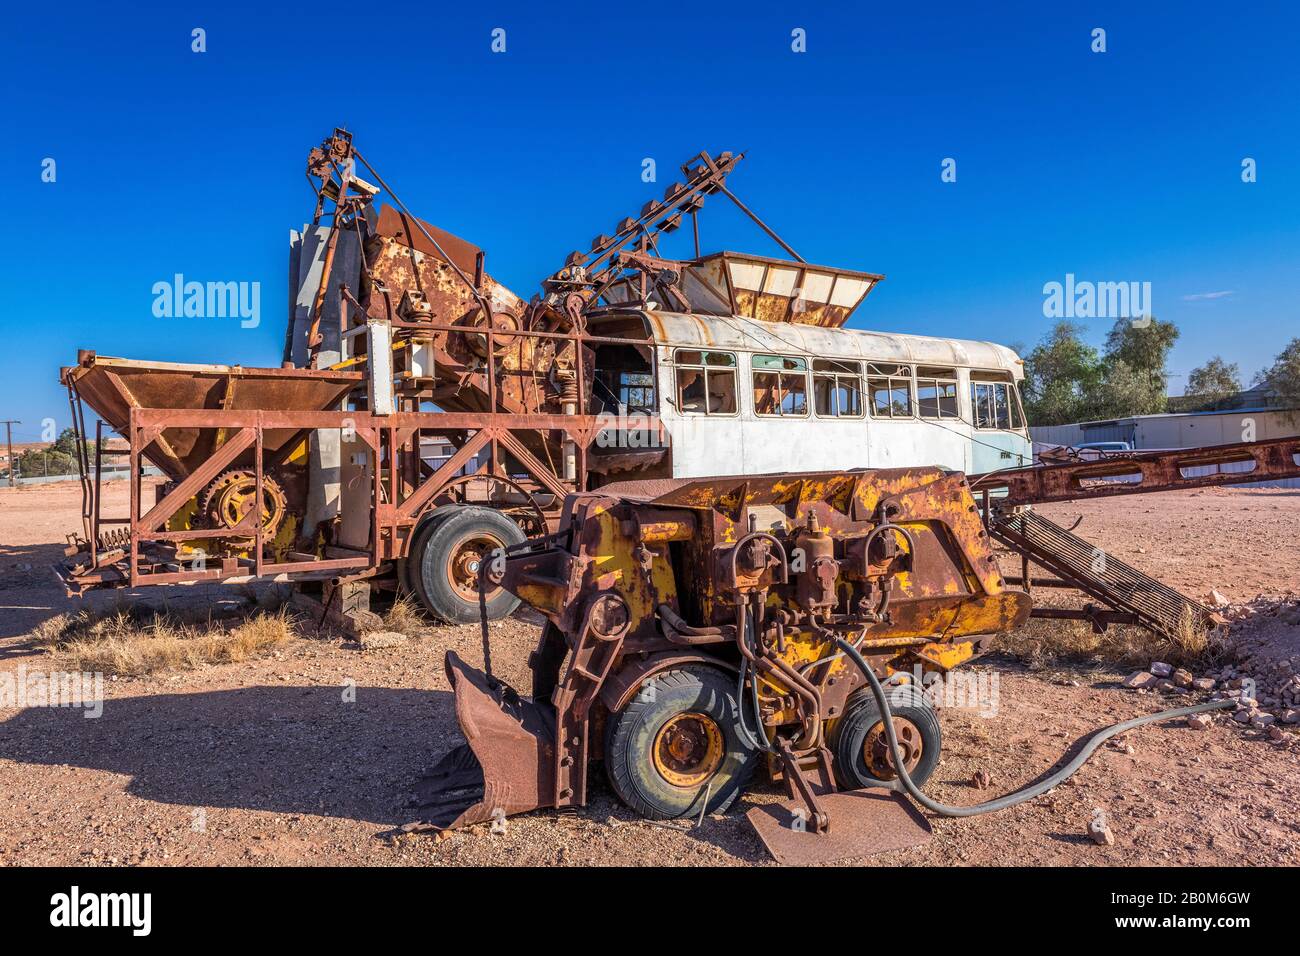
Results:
[994, 404]
[837, 388]
[936, 393]
[624, 379]
[706, 382]
[780, 386]
[890, 388]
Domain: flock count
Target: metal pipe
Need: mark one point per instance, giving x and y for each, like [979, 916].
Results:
[758, 222]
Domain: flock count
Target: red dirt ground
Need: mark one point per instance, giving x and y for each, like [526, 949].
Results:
[265, 762]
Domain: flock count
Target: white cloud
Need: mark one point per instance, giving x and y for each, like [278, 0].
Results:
[1203, 296]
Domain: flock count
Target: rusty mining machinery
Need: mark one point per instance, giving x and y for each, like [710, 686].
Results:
[698, 631]
[398, 341]
[696, 628]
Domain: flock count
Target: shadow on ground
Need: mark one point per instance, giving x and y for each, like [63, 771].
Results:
[281, 749]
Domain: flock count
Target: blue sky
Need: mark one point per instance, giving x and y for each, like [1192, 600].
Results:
[1115, 166]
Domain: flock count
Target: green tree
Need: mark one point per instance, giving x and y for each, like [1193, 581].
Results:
[1135, 363]
[67, 443]
[1062, 375]
[1213, 381]
[35, 462]
[1283, 376]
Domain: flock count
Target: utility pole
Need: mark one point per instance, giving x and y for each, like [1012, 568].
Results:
[9, 440]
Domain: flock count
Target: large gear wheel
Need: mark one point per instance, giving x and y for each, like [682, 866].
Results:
[226, 501]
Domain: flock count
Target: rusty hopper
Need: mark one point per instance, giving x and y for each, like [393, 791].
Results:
[112, 387]
[178, 416]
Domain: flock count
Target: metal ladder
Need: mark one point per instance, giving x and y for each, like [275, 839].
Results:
[1132, 596]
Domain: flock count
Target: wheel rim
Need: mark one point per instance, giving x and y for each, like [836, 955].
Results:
[688, 749]
[464, 562]
[876, 753]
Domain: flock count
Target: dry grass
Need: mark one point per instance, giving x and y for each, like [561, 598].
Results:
[1046, 642]
[119, 643]
[406, 616]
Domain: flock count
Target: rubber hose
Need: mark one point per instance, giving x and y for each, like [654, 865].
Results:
[1015, 796]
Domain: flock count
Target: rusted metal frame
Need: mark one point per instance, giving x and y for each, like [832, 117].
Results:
[394, 455]
[376, 495]
[318, 303]
[255, 512]
[529, 461]
[474, 288]
[429, 488]
[1099, 618]
[97, 494]
[197, 533]
[329, 564]
[585, 337]
[722, 188]
[408, 441]
[1029, 582]
[665, 209]
[360, 421]
[79, 428]
[301, 570]
[196, 480]
[1160, 471]
[478, 294]
[1062, 571]
[579, 359]
[133, 566]
[590, 662]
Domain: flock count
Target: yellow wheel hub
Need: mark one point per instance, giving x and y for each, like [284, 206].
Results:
[688, 749]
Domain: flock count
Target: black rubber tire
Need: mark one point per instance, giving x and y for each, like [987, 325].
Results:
[630, 735]
[406, 577]
[862, 713]
[433, 550]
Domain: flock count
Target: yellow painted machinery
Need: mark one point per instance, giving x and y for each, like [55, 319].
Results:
[693, 636]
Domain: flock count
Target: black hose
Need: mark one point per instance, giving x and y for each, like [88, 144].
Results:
[758, 740]
[1016, 796]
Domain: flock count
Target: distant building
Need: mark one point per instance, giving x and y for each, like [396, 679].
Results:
[1254, 414]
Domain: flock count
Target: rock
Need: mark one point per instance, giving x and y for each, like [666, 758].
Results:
[1262, 720]
[1204, 683]
[1100, 833]
[1182, 678]
[1242, 716]
[1139, 679]
[1276, 734]
[1291, 716]
[378, 639]
[981, 780]
[1161, 669]
[1199, 721]
[1217, 599]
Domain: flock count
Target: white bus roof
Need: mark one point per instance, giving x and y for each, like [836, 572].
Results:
[679, 330]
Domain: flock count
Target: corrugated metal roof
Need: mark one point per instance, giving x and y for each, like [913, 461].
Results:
[734, 332]
[1132, 419]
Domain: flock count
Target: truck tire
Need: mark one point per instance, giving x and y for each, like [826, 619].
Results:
[445, 558]
[407, 566]
[860, 748]
[670, 746]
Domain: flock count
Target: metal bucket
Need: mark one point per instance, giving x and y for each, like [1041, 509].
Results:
[507, 764]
